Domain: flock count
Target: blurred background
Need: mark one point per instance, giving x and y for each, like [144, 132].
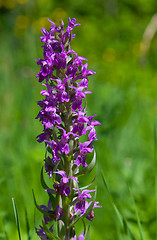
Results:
[118, 37]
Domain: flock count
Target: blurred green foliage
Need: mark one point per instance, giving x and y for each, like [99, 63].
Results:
[124, 99]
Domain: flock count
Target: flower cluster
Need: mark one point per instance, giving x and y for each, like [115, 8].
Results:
[64, 76]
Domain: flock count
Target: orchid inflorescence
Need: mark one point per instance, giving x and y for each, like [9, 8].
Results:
[64, 118]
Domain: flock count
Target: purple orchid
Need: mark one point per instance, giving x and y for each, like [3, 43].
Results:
[64, 75]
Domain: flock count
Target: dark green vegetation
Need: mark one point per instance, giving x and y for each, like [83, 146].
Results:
[124, 99]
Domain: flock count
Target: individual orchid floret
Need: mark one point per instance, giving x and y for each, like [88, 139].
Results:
[77, 99]
[63, 188]
[44, 136]
[85, 148]
[65, 179]
[49, 212]
[51, 215]
[80, 203]
[61, 95]
[71, 26]
[90, 216]
[72, 68]
[41, 232]
[63, 145]
[50, 163]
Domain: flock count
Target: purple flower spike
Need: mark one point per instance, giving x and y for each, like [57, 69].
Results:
[64, 76]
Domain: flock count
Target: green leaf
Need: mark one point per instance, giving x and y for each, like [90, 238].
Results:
[45, 186]
[49, 234]
[122, 220]
[138, 218]
[49, 163]
[43, 183]
[27, 226]
[84, 225]
[54, 169]
[87, 186]
[37, 206]
[16, 218]
[88, 169]
[87, 235]
[112, 202]
[48, 149]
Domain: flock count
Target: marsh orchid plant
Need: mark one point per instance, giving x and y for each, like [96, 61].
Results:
[64, 76]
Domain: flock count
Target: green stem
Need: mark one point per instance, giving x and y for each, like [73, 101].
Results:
[66, 218]
[67, 166]
[59, 224]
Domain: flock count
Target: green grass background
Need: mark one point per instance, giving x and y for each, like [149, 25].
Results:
[124, 100]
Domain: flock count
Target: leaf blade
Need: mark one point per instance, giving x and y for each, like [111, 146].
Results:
[122, 220]
[27, 226]
[37, 206]
[87, 235]
[16, 218]
[138, 218]
[49, 234]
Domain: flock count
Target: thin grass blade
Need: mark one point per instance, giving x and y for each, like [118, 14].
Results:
[122, 220]
[138, 218]
[112, 202]
[16, 218]
[155, 169]
[27, 226]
